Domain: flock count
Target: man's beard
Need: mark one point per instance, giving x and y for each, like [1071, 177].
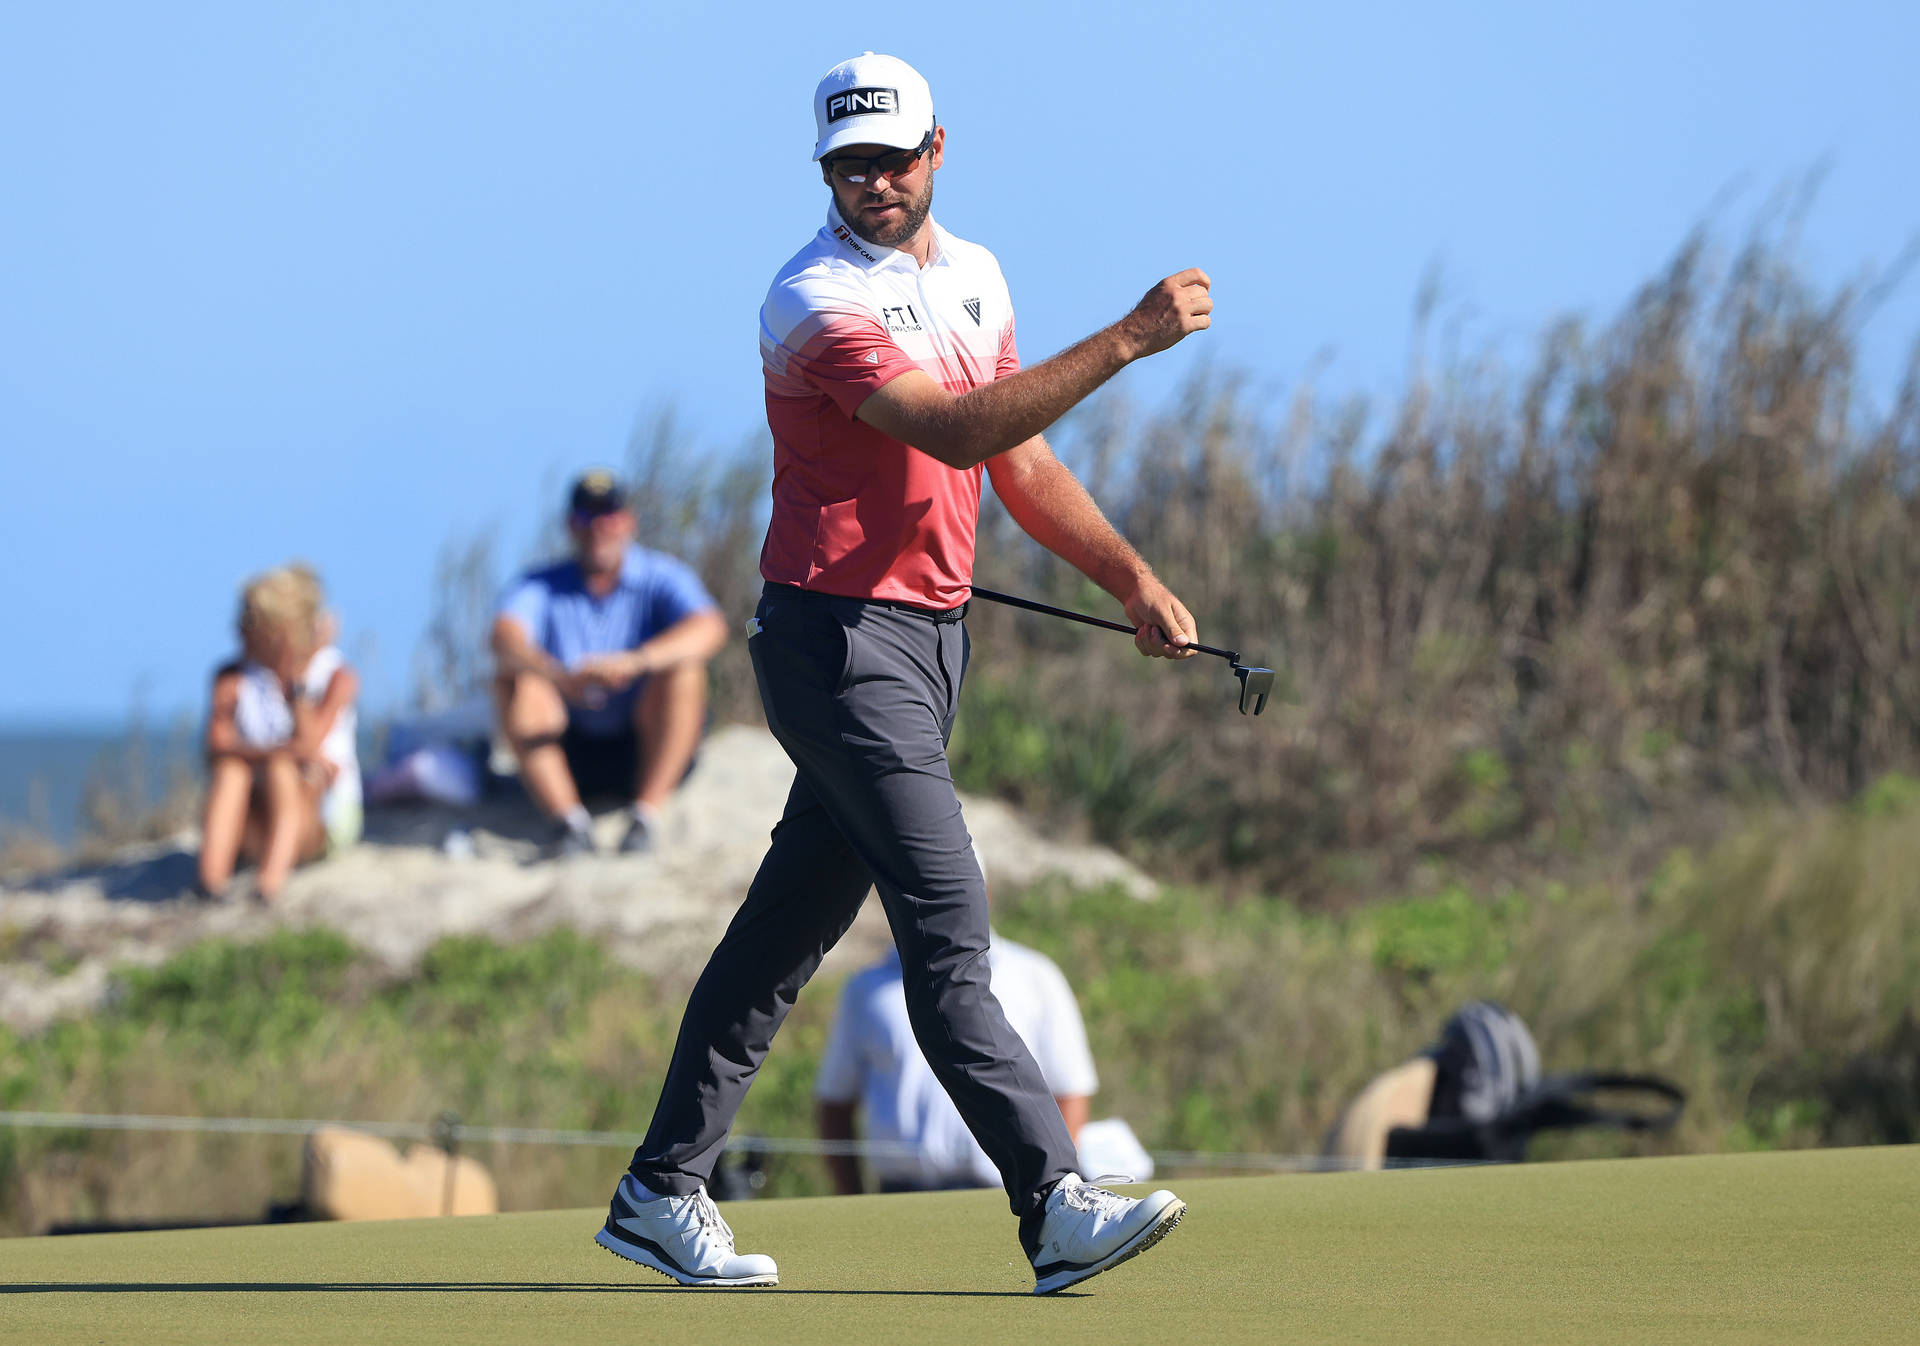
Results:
[913, 214]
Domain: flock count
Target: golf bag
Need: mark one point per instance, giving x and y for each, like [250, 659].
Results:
[1490, 1099]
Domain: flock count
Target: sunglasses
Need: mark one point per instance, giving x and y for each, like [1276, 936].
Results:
[899, 163]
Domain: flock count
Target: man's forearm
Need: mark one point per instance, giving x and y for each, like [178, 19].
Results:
[695, 638]
[996, 416]
[514, 653]
[835, 1121]
[1074, 1111]
[529, 659]
[970, 428]
[1054, 509]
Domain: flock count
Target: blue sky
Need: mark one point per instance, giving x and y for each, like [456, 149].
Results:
[343, 281]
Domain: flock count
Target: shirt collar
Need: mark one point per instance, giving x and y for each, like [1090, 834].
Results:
[873, 256]
[632, 562]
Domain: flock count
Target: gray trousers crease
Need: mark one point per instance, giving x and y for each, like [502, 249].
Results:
[862, 697]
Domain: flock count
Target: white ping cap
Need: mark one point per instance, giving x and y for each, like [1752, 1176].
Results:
[871, 100]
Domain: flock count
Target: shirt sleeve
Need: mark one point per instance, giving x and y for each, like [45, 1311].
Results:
[833, 345]
[1063, 1055]
[525, 600]
[675, 594]
[1008, 361]
[838, 1080]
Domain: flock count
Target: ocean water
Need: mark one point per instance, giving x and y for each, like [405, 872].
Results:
[45, 774]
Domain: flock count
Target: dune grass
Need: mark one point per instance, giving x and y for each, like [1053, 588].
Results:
[1816, 1245]
[1774, 978]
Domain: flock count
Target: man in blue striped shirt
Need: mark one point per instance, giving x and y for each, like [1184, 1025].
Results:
[601, 671]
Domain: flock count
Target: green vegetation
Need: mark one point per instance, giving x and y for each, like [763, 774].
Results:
[546, 1034]
[1774, 977]
[1740, 1248]
[1524, 619]
[1527, 621]
[1600, 694]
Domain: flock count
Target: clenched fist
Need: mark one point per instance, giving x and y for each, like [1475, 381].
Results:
[1176, 306]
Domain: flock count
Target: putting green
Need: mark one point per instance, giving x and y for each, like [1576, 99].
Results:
[1818, 1245]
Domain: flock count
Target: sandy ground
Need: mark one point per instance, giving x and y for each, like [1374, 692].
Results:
[396, 894]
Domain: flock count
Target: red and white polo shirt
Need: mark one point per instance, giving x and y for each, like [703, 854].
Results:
[856, 512]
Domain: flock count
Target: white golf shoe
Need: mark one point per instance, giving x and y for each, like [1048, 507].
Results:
[1084, 1229]
[682, 1237]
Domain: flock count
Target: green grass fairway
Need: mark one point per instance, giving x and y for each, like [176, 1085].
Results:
[1818, 1246]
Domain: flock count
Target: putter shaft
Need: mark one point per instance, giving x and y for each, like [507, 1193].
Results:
[1231, 656]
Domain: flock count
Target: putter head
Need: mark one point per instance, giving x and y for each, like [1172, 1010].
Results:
[1256, 684]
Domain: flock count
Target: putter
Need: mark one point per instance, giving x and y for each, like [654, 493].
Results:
[1256, 684]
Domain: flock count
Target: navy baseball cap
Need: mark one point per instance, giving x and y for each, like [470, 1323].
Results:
[597, 492]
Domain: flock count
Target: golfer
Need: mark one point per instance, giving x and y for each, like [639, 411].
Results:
[892, 379]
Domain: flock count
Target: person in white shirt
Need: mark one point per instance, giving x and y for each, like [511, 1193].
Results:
[873, 1065]
[283, 775]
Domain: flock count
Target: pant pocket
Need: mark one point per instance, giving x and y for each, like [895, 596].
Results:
[847, 625]
[803, 646]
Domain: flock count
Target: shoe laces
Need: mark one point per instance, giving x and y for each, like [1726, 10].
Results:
[709, 1216]
[1085, 1196]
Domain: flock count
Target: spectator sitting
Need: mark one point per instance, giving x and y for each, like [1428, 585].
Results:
[872, 1062]
[283, 776]
[600, 679]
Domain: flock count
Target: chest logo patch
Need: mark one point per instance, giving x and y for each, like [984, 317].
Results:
[902, 318]
[972, 307]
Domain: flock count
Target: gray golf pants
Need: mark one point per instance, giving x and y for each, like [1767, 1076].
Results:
[862, 697]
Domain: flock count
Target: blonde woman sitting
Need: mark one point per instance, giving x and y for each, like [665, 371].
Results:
[283, 777]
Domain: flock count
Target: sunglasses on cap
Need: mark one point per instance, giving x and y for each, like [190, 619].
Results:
[898, 163]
